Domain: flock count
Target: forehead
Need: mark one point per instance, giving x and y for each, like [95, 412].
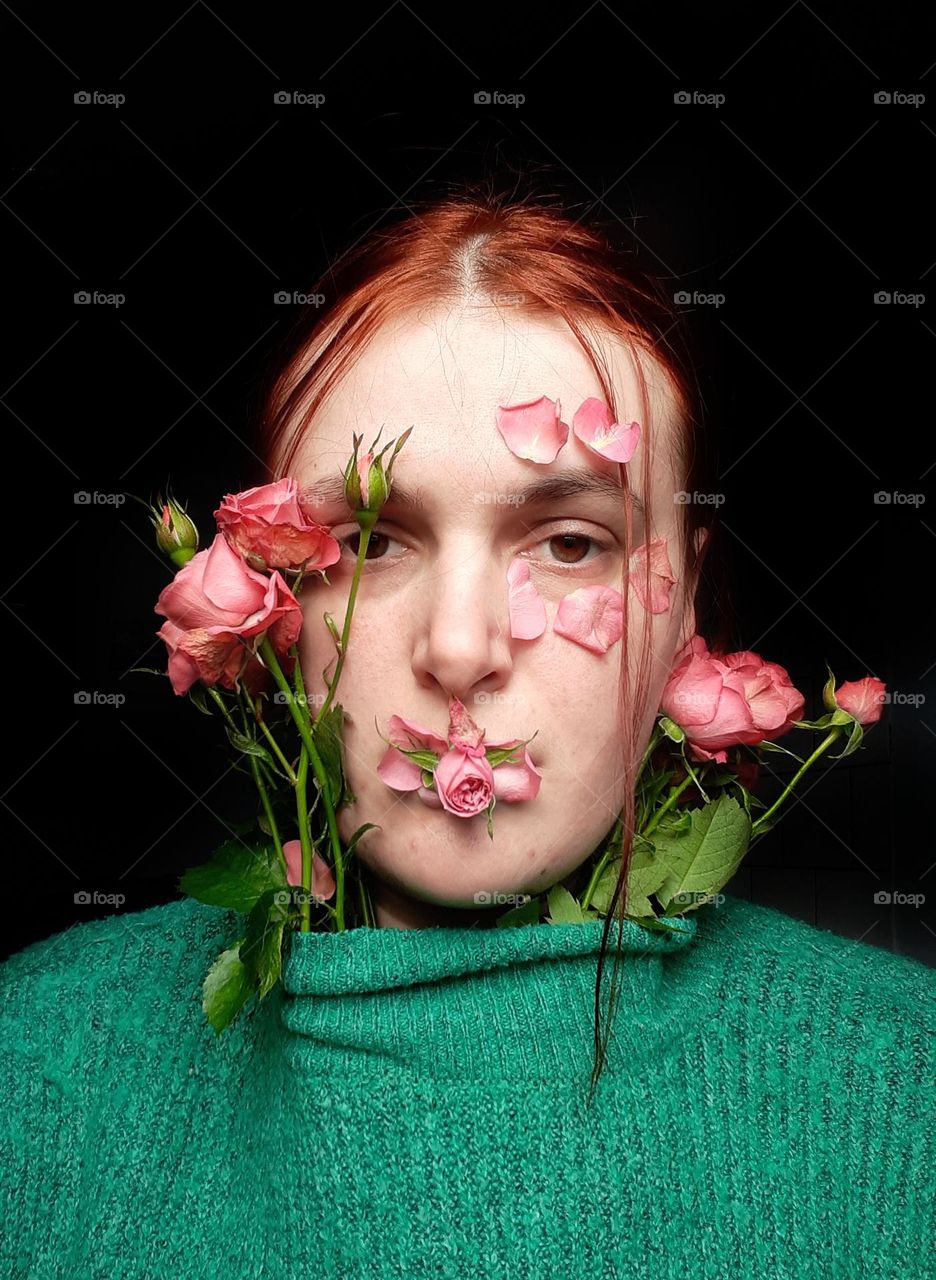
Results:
[445, 370]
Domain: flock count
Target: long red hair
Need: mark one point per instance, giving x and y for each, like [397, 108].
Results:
[525, 253]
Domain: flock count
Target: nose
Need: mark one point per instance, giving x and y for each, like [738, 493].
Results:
[462, 641]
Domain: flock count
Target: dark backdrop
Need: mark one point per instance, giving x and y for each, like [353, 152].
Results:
[800, 197]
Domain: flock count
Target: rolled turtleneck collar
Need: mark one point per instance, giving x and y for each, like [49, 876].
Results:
[464, 1003]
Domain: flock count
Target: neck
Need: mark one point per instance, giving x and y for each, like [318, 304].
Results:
[394, 909]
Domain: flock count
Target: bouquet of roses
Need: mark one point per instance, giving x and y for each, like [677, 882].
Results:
[233, 621]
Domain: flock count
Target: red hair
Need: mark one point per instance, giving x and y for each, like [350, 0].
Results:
[530, 254]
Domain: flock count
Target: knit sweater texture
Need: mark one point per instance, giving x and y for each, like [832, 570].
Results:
[412, 1103]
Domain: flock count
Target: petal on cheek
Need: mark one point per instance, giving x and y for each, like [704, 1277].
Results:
[592, 617]
[527, 610]
[662, 580]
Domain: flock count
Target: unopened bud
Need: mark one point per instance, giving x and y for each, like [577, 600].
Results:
[176, 534]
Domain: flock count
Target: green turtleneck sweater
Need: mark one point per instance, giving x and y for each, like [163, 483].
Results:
[412, 1103]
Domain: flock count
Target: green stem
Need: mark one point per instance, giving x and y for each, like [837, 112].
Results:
[258, 717]
[613, 843]
[824, 745]
[304, 839]
[675, 792]
[299, 712]
[366, 520]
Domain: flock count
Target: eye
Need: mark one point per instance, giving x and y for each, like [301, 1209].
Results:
[571, 548]
[376, 545]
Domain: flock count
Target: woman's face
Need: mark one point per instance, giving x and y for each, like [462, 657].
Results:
[431, 616]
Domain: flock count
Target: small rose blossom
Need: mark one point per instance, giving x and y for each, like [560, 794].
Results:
[533, 430]
[596, 428]
[863, 699]
[721, 700]
[269, 526]
[323, 881]
[525, 604]
[465, 783]
[213, 605]
[591, 616]
[661, 575]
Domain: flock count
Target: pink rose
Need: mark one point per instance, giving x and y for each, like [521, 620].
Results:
[323, 881]
[213, 606]
[721, 700]
[269, 527]
[461, 783]
[465, 783]
[863, 699]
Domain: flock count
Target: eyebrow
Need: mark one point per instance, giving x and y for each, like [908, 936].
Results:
[564, 484]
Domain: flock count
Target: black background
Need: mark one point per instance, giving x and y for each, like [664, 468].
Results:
[799, 198]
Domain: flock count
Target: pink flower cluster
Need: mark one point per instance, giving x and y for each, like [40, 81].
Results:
[464, 781]
[724, 700]
[221, 604]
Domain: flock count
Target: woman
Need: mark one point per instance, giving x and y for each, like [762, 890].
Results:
[414, 1100]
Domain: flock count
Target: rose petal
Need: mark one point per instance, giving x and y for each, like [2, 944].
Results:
[534, 429]
[595, 427]
[527, 610]
[591, 616]
[661, 576]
